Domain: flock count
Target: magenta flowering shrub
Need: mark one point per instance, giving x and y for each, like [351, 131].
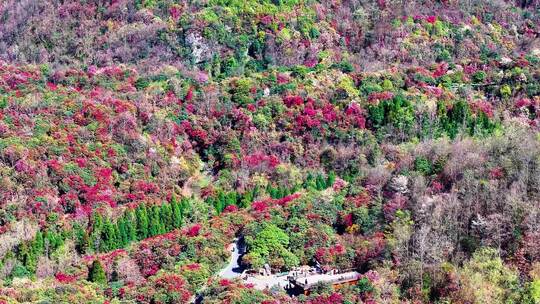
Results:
[261, 161]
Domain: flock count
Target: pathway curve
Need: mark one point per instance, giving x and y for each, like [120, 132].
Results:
[234, 269]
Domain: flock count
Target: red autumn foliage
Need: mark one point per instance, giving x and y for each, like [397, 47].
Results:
[356, 115]
[372, 248]
[334, 298]
[65, 278]
[176, 12]
[194, 230]
[380, 96]
[230, 208]
[291, 101]
[259, 206]
[496, 173]
[173, 283]
[359, 200]
[260, 160]
[482, 106]
[397, 202]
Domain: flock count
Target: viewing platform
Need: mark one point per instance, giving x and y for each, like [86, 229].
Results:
[338, 280]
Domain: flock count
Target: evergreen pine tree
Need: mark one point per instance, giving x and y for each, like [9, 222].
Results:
[166, 217]
[286, 191]
[330, 179]
[309, 180]
[96, 273]
[247, 198]
[131, 226]
[114, 273]
[97, 221]
[221, 198]
[211, 201]
[25, 256]
[38, 244]
[278, 193]
[220, 206]
[155, 226]
[255, 193]
[273, 192]
[269, 190]
[109, 236]
[81, 239]
[162, 221]
[232, 199]
[53, 240]
[176, 213]
[122, 232]
[85, 243]
[184, 207]
[142, 222]
[320, 183]
[95, 237]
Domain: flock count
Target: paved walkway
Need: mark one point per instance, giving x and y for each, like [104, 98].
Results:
[231, 271]
[263, 282]
[234, 269]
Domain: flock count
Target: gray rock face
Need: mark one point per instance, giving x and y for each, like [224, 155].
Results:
[199, 49]
[399, 184]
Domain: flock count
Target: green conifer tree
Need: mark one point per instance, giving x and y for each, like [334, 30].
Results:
[166, 217]
[96, 273]
[131, 226]
[114, 273]
[155, 224]
[246, 199]
[97, 227]
[81, 239]
[109, 237]
[232, 199]
[330, 179]
[123, 237]
[38, 244]
[310, 182]
[176, 213]
[320, 183]
[142, 222]
[184, 207]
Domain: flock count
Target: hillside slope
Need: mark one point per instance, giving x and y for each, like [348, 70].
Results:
[398, 139]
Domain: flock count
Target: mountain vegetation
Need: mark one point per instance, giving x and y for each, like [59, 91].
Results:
[400, 139]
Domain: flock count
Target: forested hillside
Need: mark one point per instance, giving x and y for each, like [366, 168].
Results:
[397, 139]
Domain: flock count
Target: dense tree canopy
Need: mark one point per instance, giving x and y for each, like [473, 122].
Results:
[398, 139]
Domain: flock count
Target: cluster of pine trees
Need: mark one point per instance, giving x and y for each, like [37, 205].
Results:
[102, 235]
[243, 200]
[399, 113]
[28, 253]
[223, 199]
[134, 225]
[319, 182]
